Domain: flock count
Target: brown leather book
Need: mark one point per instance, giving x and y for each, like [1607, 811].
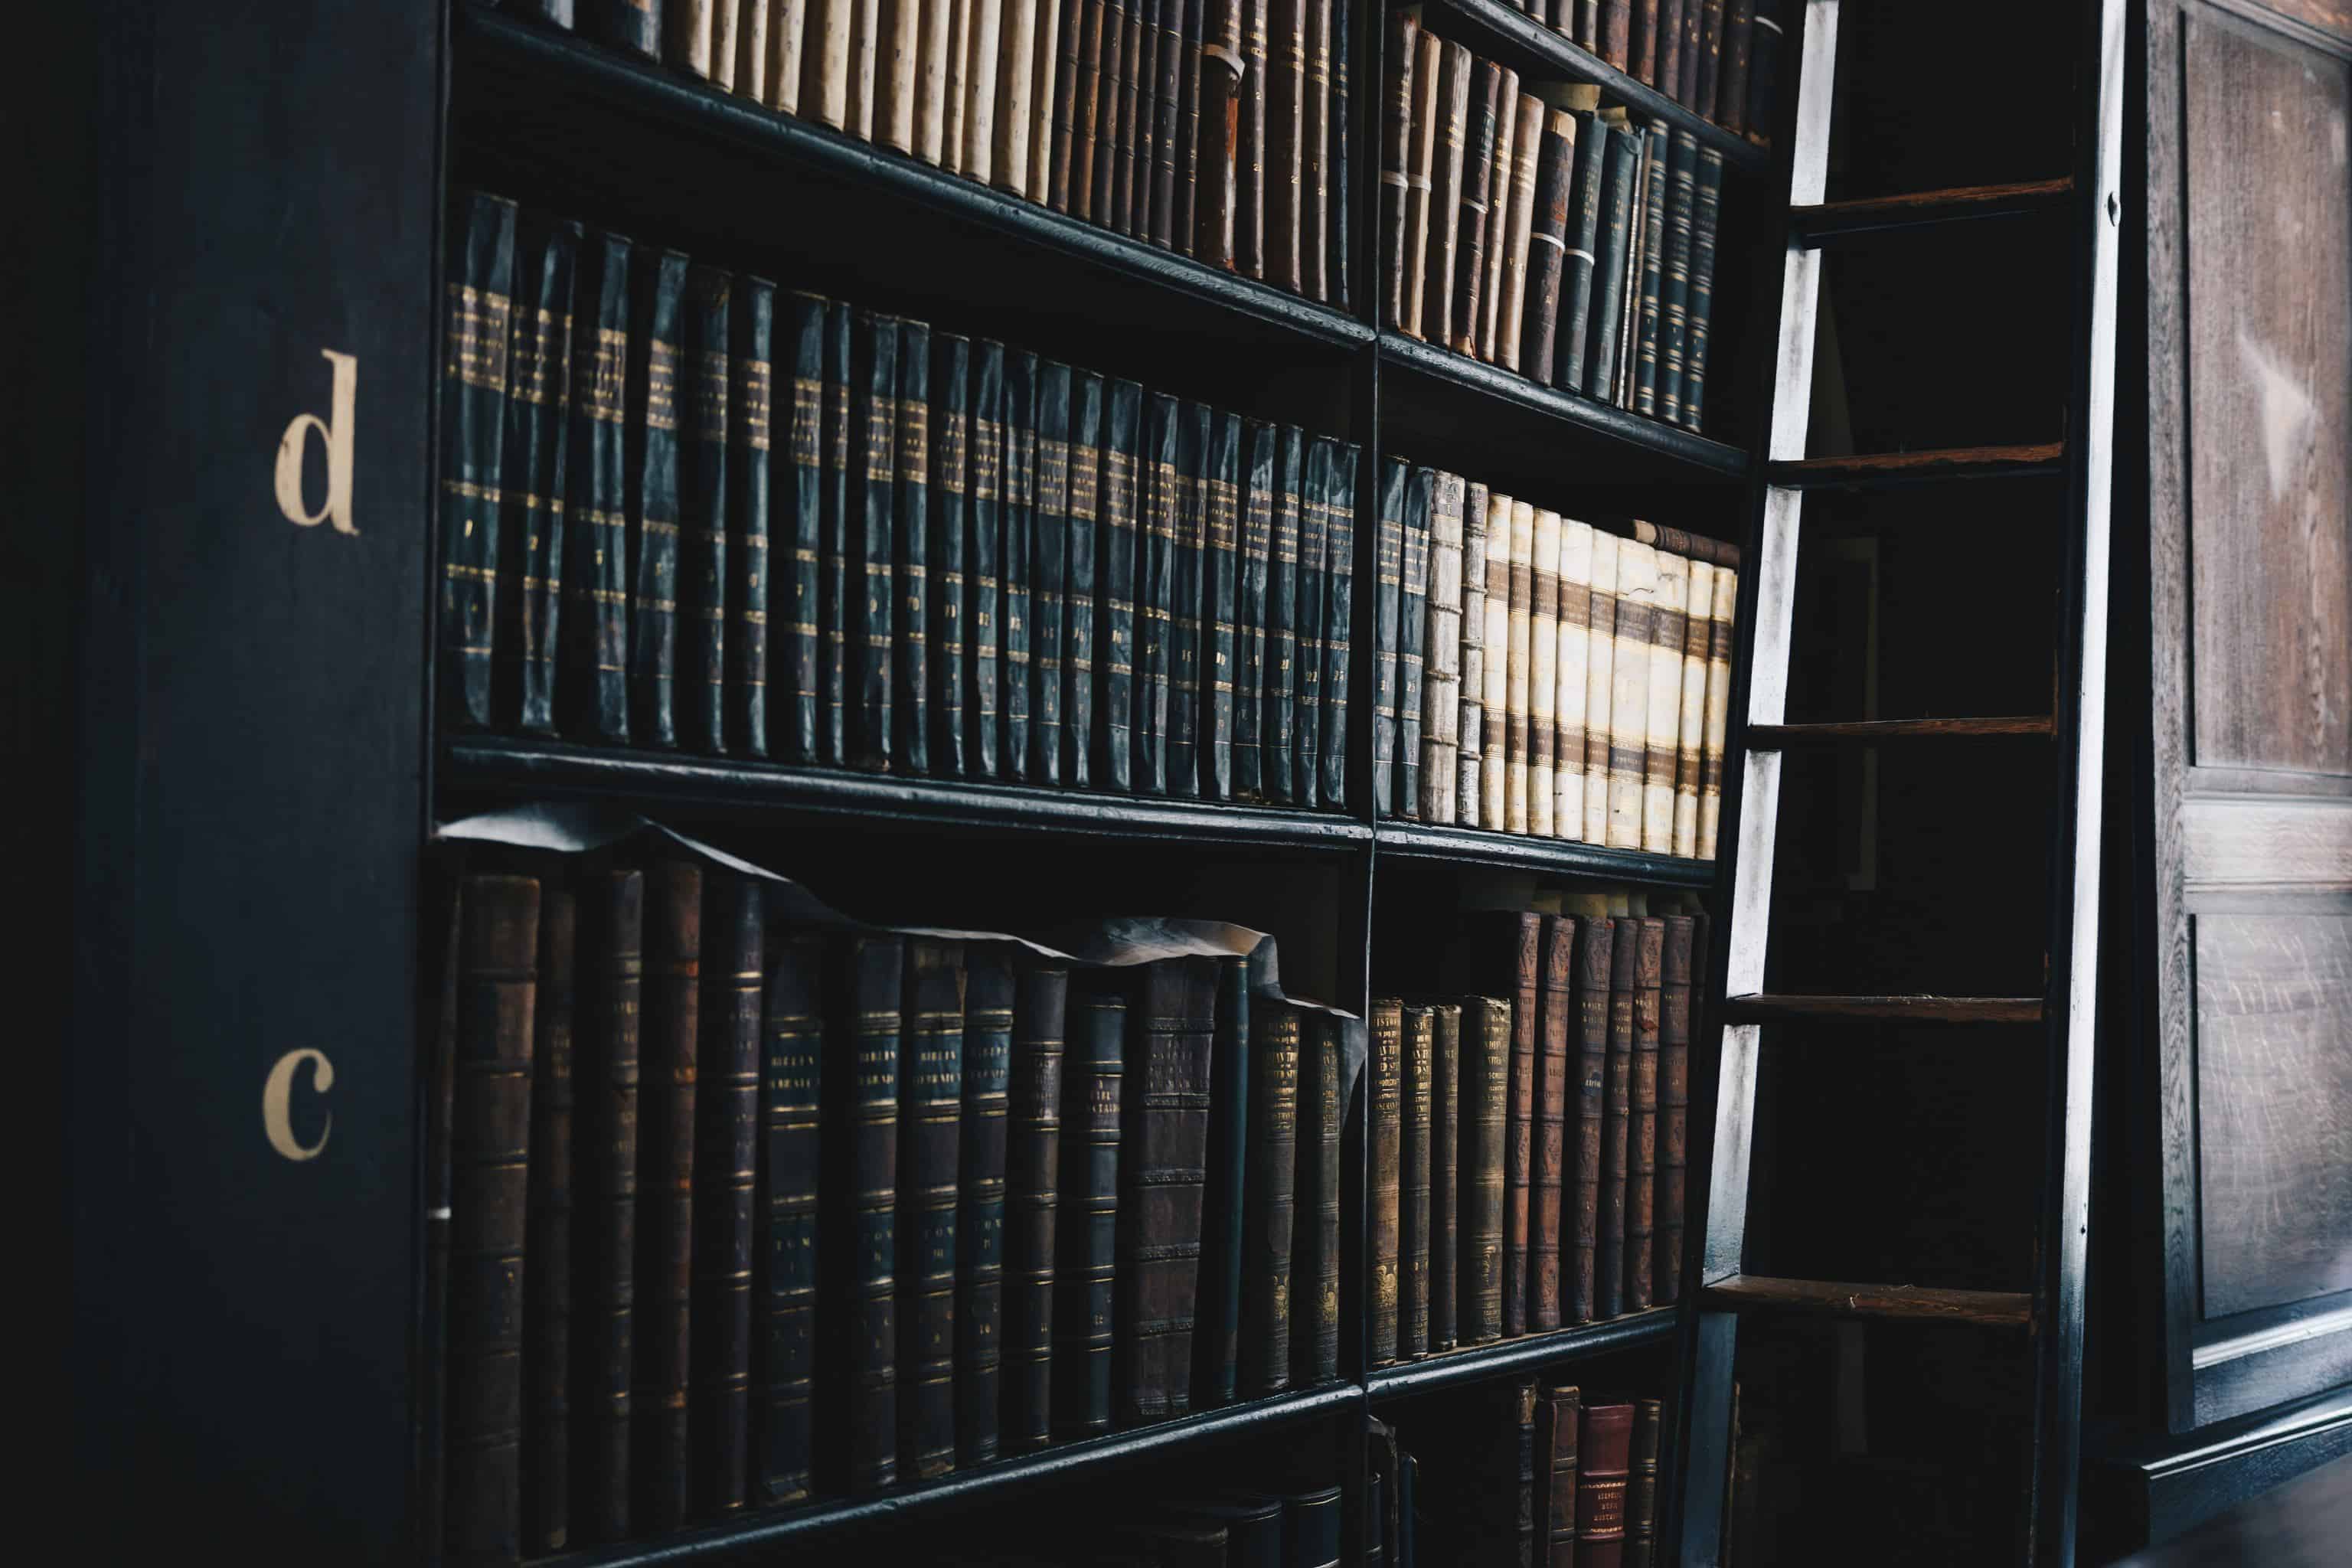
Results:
[1420, 153]
[1168, 105]
[489, 1185]
[547, 1239]
[1642, 1485]
[1314, 1241]
[784, 1308]
[609, 1026]
[1086, 106]
[1315, 156]
[1667, 76]
[727, 1126]
[1069, 39]
[980, 1238]
[1603, 1451]
[1616, 1118]
[1455, 75]
[1470, 237]
[1527, 141]
[1098, 66]
[1385, 1238]
[1500, 954]
[1693, 16]
[1164, 1136]
[1121, 139]
[1269, 1215]
[1414, 1187]
[1731, 76]
[1032, 1206]
[1673, 1108]
[1143, 22]
[930, 1094]
[1594, 945]
[1185, 223]
[1286, 137]
[1220, 150]
[1616, 44]
[1558, 1414]
[1642, 58]
[1249, 157]
[1396, 126]
[671, 1045]
[1553, 1069]
[1445, 1177]
[1712, 15]
[1498, 230]
[1642, 1134]
[1486, 1114]
[1548, 240]
[858, 1234]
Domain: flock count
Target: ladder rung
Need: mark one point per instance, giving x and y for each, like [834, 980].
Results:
[1904, 467]
[1780, 737]
[1763, 1008]
[1917, 209]
[1905, 1303]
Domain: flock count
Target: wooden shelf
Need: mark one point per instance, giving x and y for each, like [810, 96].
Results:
[1521, 852]
[1921, 209]
[764, 1535]
[1781, 737]
[1875, 469]
[1532, 47]
[1774, 1009]
[1527, 1354]
[1896, 1303]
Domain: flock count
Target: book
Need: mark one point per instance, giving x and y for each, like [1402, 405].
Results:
[1640, 377]
[1642, 1134]
[477, 329]
[1044, 99]
[669, 1046]
[726, 1161]
[1731, 79]
[1668, 77]
[531, 488]
[1088, 105]
[634, 26]
[1662, 739]
[1470, 734]
[1718, 710]
[1186, 602]
[1572, 678]
[609, 1027]
[1694, 52]
[1675, 295]
[1600, 686]
[983, 556]
[1114, 168]
[1397, 100]
[785, 1305]
[1495, 697]
[1452, 112]
[1420, 155]
[825, 61]
[1221, 137]
[982, 1325]
[1612, 247]
[1558, 1414]
[1553, 1059]
[1412, 641]
[1384, 1231]
[840, 611]
[1616, 32]
[858, 1210]
[1527, 139]
[910, 563]
[1338, 285]
[1548, 235]
[1518, 716]
[1672, 1097]
[1221, 610]
[1622, 389]
[1132, 157]
[1286, 137]
[1338, 619]
[1164, 1136]
[1440, 676]
[1017, 543]
[1572, 342]
[1122, 559]
[1017, 83]
[954, 86]
[1445, 1168]
[1232, 1128]
[1185, 218]
[1629, 697]
[1516, 941]
[1485, 1112]
[1595, 949]
[1168, 114]
[1603, 1450]
[898, 75]
[1543, 671]
[872, 620]
[1311, 1528]
[1414, 1205]
[1690, 737]
[1081, 572]
[1250, 669]
[1498, 215]
[1315, 154]
[1477, 189]
[1250, 150]
[1642, 1482]
[592, 696]
[868, 71]
[1314, 606]
[1160, 494]
[750, 569]
[1278, 720]
[1144, 21]
[1049, 546]
[1323, 1080]
[1085, 1231]
[930, 1093]
[1032, 1170]
[1644, 40]
[1387, 609]
[946, 594]
[688, 30]
[1616, 1120]
[1523, 1404]
[1706, 207]
[1269, 1236]
[490, 1184]
[548, 1229]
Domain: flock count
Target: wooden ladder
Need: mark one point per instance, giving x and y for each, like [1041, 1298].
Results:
[2048, 1319]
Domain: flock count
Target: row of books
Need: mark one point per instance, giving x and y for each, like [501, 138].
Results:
[1542, 232]
[1216, 129]
[1528, 1472]
[1528, 1147]
[1253, 1528]
[744, 1213]
[962, 562]
[1556, 678]
[1720, 58]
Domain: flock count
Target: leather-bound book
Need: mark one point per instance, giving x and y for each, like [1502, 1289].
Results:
[792, 1076]
[1667, 76]
[1185, 220]
[1171, 1540]
[1310, 1528]
[1315, 155]
[857, 1231]
[1629, 696]
[631, 24]
[611, 978]
[1612, 246]
[1477, 188]
[1143, 121]
[1642, 1126]
[1730, 110]
[788, 26]
[1527, 141]
[1455, 74]
[1163, 1133]
[1543, 670]
[531, 492]
[1509, 949]
[898, 72]
[1485, 1117]
[1616, 1120]
[979, 1221]
[490, 1203]
[1285, 138]
[930, 1093]
[1016, 563]
[867, 70]
[1572, 340]
[1033, 1169]
[1470, 731]
[1267, 1163]
[548, 1231]
[687, 27]
[1397, 98]
[1690, 739]
[1016, 82]
[1445, 1175]
[1252, 1522]
[1217, 157]
[911, 566]
[1081, 1321]
[1693, 49]
[1674, 293]
[1441, 673]
[1414, 1205]
[1706, 209]
[838, 611]
[1639, 380]
[1668, 633]
[751, 375]
[1081, 570]
[591, 697]
[1495, 688]
[1250, 613]
[477, 330]
[1069, 40]
[1580, 19]
[1220, 610]
[1499, 214]
[742, 31]
[946, 597]
[1642, 1485]
[1525, 1535]
[983, 60]
[1188, 597]
[671, 1044]
[1427, 119]
[1381, 1488]
[1553, 1063]
[1579, 1238]
[1315, 1237]
[1558, 1416]
[1232, 1128]
[1674, 1008]
[1571, 679]
[1519, 731]
[1049, 543]
[1599, 687]
[1616, 32]
[1387, 610]
[1412, 641]
[1107, 200]
[983, 567]
[1384, 1230]
[1718, 710]
[873, 500]
[1548, 236]
[1604, 1445]
[726, 1157]
[1122, 559]
[1044, 96]
[1643, 57]
[1087, 108]
[1314, 618]
[1159, 495]
[1249, 152]
[1712, 14]
[1278, 720]
[1167, 109]
[1338, 619]
[1337, 276]
[825, 61]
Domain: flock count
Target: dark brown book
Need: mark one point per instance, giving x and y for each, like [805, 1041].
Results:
[1472, 232]
[1667, 76]
[1616, 1122]
[1616, 44]
[1486, 1114]
[609, 1026]
[1218, 156]
[1249, 158]
[1315, 1240]
[1286, 137]
[1603, 1451]
[1594, 945]
[1446, 173]
[1164, 1137]
[1642, 57]
[631, 24]
[1098, 66]
[1086, 1231]
[671, 1044]
[1032, 1188]
[857, 1231]
[1642, 1128]
[1338, 263]
[930, 1095]
[490, 1206]
[1143, 21]
[547, 1241]
[784, 1330]
[1552, 1068]
[1710, 56]
[1517, 939]
[1185, 223]
[1315, 156]
[1731, 78]
[1384, 1240]
[1523, 1535]
[1693, 12]
[1674, 1109]
[700, 697]
[726, 1161]
[1270, 1227]
[1071, 30]
[1558, 1416]
[1548, 231]
[1444, 1176]
[1396, 125]
[1168, 107]
[1122, 138]
[1414, 1205]
[1642, 1485]
[980, 1232]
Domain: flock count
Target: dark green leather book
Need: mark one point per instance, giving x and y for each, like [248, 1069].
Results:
[1164, 1137]
[1706, 207]
[1310, 1528]
[1649, 323]
[1016, 536]
[1336, 286]
[1388, 611]
[1572, 342]
[1085, 1242]
[839, 608]
[631, 24]
[1618, 199]
[910, 565]
[945, 597]
[791, 1078]
[1673, 293]
[664, 1288]
[1216, 1339]
[476, 331]
[1220, 610]
[1119, 568]
[1444, 1173]
[612, 980]
[1033, 1168]
[1412, 636]
[547, 1236]
[702, 695]
[1270, 1188]
[1315, 1204]
[655, 328]
[858, 1209]
[1314, 604]
[1278, 720]
[931, 1096]
[796, 685]
[873, 519]
[539, 416]
[979, 1211]
[1339, 620]
[1080, 574]
[1049, 542]
[750, 564]
[1161, 493]
[1185, 652]
[592, 698]
[726, 1159]
[1249, 612]
[984, 566]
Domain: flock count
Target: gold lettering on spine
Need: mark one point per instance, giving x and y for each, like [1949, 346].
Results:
[337, 433]
[277, 1102]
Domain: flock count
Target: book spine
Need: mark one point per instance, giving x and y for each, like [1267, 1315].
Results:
[946, 591]
[1543, 670]
[1222, 148]
[1017, 83]
[1017, 563]
[1668, 77]
[1250, 631]
[1629, 697]
[1643, 56]
[1705, 208]
[1693, 24]
[1519, 1169]
[1548, 240]
[1440, 675]
[1731, 83]
[1485, 1112]
[858, 1229]
[1164, 1134]
[841, 609]
[1594, 946]
[1420, 157]
[612, 961]
[1621, 388]
[1048, 566]
[476, 334]
[1603, 1469]
[1615, 241]
[1217, 1340]
[1572, 678]
[1315, 154]
[982, 1321]
[1616, 33]
[1642, 1482]
[1315, 1250]
[652, 489]
[826, 62]
[1032, 1203]
[1471, 734]
[1339, 287]
[1159, 496]
[1498, 216]
[490, 1202]
[689, 34]
[1167, 109]
[634, 26]
[1572, 342]
[1285, 135]
[702, 509]
[953, 84]
[1250, 160]
[1385, 1240]
[1314, 604]
[1674, 300]
[1185, 653]
[1718, 710]
[1527, 141]
[1524, 1513]
[1078, 164]
[751, 373]
[1674, 1009]
[531, 491]
[787, 56]
[1416, 1183]
[1495, 698]
[1104, 203]
[1690, 739]
[1338, 616]
[1080, 573]
[726, 1155]
[1278, 717]
[910, 696]
[1557, 1411]
[1600, 686]
[1221, 613]
[1388, 560]
[1552, 1068]
[1413, 645]
[1143, 121]
[1669, 632]
[1650, 274]
[873, 373]
[547, 1238]
[1185, 222]
[984, 566]
[1085, 1239]
[1616, 1122]
[592, 695]
[1520, 718]
[1642, 1127]
[1477, 189]
[1269, 1230]
[1445, 191]
[792, 1080]
[1121, 561]
[985, 41]
[666, 1211]
[1045, 96]
[1446, 1169]
[1397, 100]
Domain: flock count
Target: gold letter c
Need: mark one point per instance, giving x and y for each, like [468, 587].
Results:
[279, 1090]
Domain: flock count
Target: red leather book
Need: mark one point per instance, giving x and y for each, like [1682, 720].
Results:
[666, 1107]
[1604, 1454]
[1163, 1155]
[1552, 1067]
[1617, 1109]
[547, 1241]
[1674, 1109]
[1558, 1416]
[1384, 1240]
[727, 1125]
[1642, 1128]
[1594, 947]
[609, 1026]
